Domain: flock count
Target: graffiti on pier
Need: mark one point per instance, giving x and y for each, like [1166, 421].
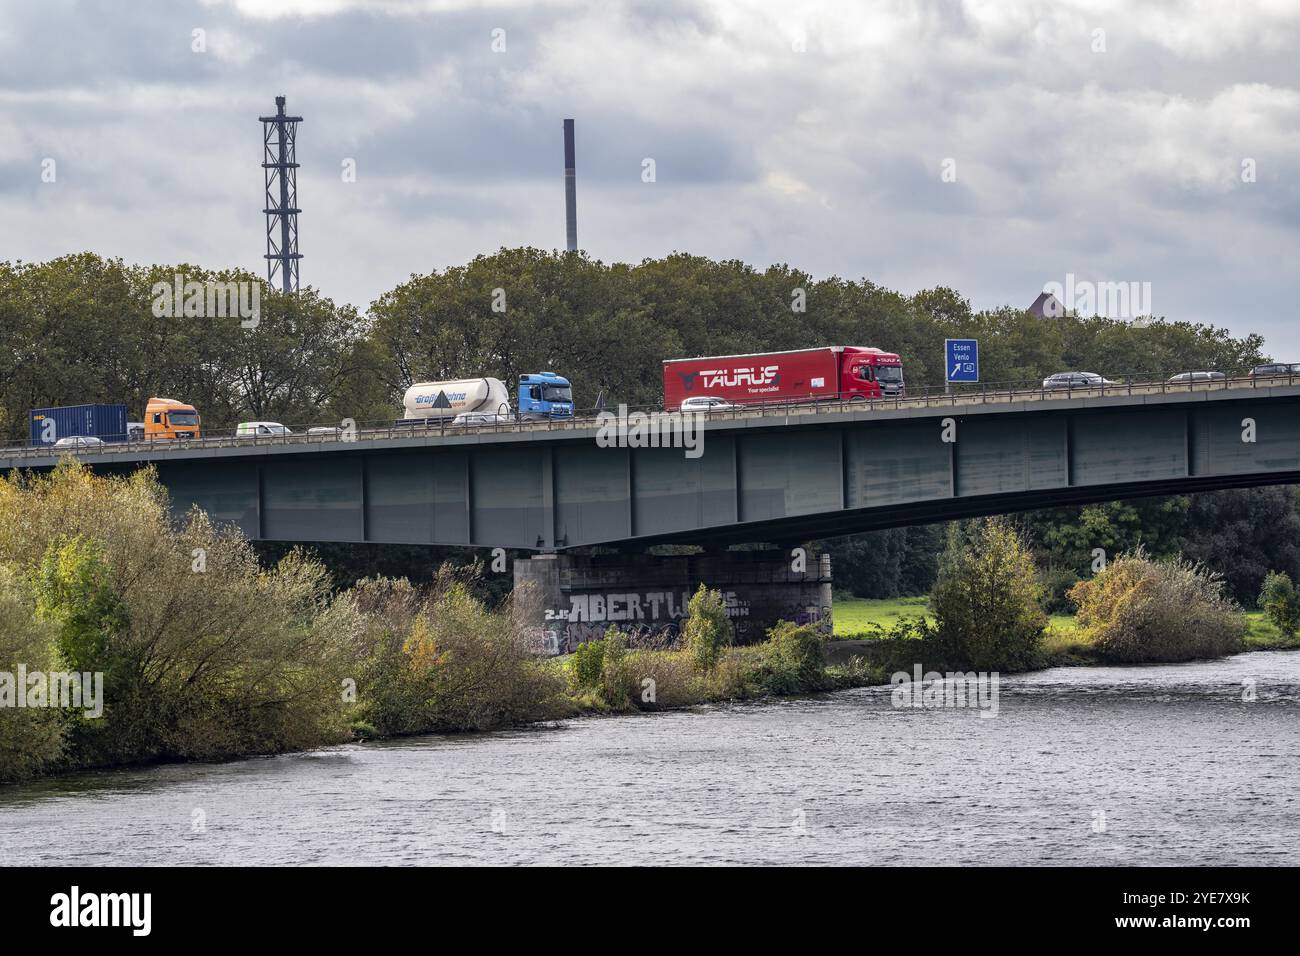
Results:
[653, 619]
[650, 619]
[820, 616]
[634, 606]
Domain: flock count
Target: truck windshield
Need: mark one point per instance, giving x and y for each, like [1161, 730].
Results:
[889, 373]
[183, 418]
[557, 393]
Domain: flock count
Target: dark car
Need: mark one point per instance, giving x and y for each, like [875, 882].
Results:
[1063, 380]
[1275, 369]
[1186, 378]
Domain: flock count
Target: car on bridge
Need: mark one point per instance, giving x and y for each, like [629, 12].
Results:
[477, 419]
[706, 404]
[1065, 380]
[1275, 370]
[1187, 378]
[261, 429]
[79, 441]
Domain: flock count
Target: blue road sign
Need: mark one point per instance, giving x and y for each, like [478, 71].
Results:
[962, 360]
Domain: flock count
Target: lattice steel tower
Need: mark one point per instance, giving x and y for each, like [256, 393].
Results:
[279, 160]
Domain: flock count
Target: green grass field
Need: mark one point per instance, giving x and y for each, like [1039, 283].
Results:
[854, 616]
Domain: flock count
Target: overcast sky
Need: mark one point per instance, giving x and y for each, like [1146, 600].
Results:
[1108, 140]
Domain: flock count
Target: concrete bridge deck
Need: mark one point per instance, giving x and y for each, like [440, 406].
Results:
[776, 473]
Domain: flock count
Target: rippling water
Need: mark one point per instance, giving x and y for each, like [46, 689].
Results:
[1145, 765]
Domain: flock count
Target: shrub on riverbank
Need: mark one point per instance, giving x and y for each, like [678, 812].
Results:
[1280, 602]
[707, 628]
[790, 661]
[987, 600]
[1138, 610]
[204, 654]
[443, 661]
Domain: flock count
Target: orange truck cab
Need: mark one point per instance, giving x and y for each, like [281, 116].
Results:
[167, 419]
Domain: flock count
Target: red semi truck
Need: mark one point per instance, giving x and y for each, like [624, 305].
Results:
[837, 372]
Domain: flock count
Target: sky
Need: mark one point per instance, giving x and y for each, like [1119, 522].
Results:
[994, 146]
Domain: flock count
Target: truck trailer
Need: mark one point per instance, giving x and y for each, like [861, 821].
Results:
[541, 395]
[105, 422]
[437, 400]
[833, 373]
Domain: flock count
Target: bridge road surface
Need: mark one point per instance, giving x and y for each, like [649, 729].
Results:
[781, 473]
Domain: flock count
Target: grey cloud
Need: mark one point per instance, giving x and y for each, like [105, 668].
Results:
[1101, 164]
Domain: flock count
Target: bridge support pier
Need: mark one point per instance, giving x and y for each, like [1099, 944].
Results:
[565, 599]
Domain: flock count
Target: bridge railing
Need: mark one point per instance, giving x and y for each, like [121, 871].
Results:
[916, 397]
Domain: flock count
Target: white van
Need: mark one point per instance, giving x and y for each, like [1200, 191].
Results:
[261, 429]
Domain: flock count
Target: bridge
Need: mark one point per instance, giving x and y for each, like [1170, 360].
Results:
[779, 474]
[775, 474]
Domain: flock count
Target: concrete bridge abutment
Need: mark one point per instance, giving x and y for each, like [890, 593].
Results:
[566, 599]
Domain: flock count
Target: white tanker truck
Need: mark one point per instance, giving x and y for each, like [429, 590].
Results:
[438, 400]
[541, 395]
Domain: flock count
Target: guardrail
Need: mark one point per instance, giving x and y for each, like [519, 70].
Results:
[928, 397]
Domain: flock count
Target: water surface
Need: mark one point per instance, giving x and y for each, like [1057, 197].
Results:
[1139, 765]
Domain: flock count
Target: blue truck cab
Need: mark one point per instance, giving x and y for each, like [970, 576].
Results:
[545, 395]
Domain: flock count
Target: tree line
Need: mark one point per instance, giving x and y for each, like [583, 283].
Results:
[82, 328]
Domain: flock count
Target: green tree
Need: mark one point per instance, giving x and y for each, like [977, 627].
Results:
[986, 600]
[32, 739]
[1280, 601]
[73, 588]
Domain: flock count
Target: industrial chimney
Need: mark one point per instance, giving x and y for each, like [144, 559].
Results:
[570, 189]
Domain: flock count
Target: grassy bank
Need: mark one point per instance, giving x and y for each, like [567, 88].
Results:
[1063, 644]
[855, 617]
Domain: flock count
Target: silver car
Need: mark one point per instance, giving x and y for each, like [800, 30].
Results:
[1187, 378]
[79, 441]
[706, 403]
[1066, 380]
[476, 419]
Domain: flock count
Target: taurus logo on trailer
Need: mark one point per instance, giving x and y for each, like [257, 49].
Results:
[764, 375]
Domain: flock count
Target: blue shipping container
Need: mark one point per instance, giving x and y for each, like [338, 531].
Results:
[105, 422]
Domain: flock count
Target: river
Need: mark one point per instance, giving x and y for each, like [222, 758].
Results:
[1135, 765]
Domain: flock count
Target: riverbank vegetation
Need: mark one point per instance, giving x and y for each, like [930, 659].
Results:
[1137, 609]
[610, 674]
[204, 654]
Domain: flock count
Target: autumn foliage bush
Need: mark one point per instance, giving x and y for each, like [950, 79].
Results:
[1139, 610]
[205, 654]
